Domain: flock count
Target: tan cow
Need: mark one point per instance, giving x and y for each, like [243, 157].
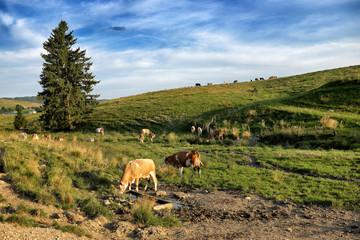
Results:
[100, 130]
[60, 139]
[141, 138]
[136, 170]
[199, 130]
[184, 159]
[219, 134]
[272, 77]
[35, 137]
[145, 131]
[193, 129]
[91, 139]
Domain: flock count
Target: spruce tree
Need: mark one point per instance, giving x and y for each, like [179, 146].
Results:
[66, 81]
[20, 120]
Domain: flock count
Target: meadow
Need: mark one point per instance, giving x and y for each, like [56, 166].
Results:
[302, 143]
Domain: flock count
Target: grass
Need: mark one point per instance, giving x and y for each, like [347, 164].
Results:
[71, 229]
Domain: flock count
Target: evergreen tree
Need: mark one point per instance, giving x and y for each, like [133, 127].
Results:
[66, 82]
[20, 120]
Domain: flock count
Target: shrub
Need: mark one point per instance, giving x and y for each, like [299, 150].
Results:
[329, 122]
[22, 221]
[92, 208]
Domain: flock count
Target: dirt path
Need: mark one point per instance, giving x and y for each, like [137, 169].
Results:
[217, 215]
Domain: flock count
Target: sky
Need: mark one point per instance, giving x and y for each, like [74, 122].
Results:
[139, 46]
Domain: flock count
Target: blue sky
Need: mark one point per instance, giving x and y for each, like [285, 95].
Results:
[138, 46]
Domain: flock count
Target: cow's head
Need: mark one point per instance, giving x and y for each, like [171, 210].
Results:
[165, 162]
[122, 187]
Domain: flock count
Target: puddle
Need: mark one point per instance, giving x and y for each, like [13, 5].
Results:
[176, 204]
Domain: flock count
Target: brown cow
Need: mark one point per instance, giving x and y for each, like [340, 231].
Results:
[136, 170]
[145, 131]
[141, 138]
[35, 137]
[152, 136]
[47, 136]
[184, 159]
[100, 130]
[60, 139]
[219, 134]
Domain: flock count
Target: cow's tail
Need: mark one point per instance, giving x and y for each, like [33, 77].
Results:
[198, 161]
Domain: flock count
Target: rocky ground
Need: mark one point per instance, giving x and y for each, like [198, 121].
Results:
[216, 215]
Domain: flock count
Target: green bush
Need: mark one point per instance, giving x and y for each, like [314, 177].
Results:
[92, 208]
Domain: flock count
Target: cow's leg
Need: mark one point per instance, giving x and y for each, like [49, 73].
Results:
[137, 184]
[199, 171]
[153, 175]
[181, 170]
[193, 171]
[147, 182]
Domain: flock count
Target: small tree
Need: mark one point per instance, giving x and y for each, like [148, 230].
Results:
[66, 82]
[20, 120]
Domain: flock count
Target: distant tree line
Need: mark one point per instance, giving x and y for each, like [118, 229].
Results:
[26, 99]
[13, 109]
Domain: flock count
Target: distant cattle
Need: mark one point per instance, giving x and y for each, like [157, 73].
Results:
[183, 159]
[262, 79]
[235, 81]
[35, 137]
[60, 139]
[23, 135]
[256, 79]
[226, 82]
[47, 136]
[197, 85]
[272, 77]
[145, 131]
[141, 138]
[100, 130]
[199, 130]
[193, 129]
[135, 171]
[209, 84]
[91, 140]
[152, 136]
[219, 134]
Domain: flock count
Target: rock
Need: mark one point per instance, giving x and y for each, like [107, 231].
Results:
[181, 195]
[160, 193]
[124, 228]
[73, 217]
[163, 206]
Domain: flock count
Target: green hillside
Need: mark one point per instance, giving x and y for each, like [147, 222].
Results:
[12, 103]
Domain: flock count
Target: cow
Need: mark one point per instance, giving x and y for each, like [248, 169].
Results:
[219, 134]
[256, 79]
[47, 136]
[197, 85]
[183, 159]
[145, 131]
[272, 77]
[35, 137]
[261, 79]
[141, 138]
[193, 129]
[23, 135]
[199, 130]
[226, 82]
[91, 140]
[235, 81]
[136, 170]
[152, 136]
[60, 139]
[209, 84]
[100, 130]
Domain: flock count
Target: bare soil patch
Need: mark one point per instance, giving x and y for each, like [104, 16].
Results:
[216, 215]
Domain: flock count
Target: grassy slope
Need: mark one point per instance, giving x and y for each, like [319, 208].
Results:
[13, 103]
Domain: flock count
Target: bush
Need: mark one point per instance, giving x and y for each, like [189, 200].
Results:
[92, 208]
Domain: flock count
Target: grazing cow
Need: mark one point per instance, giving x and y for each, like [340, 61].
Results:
[197, 85]
[219, 134]
[152, 136]
[136, 170]
[141, 138]
[193, 129]
[184, 159]
[262, 79]
[60, 139]
[235, 81]
[35, 137]
[91, 139]
[256, 79]
[226, 82]
[209, 84]
[199, 130]
[145, 131]
[23, 135]
[272, 77]
[47, 136]
[100, 130]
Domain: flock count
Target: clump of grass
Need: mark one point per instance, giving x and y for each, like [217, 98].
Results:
[22, 221]
[328, 122]
[246, 135]
[172, 138]
[142, 213]
[92, 208]
[71, 229]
